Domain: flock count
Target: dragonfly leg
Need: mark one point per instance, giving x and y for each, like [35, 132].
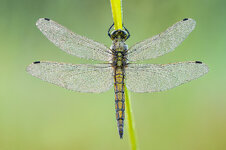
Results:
[127, 32]
[110, 30]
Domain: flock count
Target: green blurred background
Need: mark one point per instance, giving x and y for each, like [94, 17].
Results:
[35, 115]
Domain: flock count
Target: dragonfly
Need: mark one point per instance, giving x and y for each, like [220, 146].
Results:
[119, 67]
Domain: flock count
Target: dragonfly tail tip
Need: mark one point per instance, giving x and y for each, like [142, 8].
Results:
[121, 134]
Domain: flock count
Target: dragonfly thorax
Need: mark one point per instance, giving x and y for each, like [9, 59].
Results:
[119, 52]
[119, 45]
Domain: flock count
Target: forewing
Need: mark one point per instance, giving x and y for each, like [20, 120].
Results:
[81, 78]
[162, 43]
[73, 43]
[155, 78]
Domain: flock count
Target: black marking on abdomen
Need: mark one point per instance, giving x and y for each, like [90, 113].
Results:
[185, 19]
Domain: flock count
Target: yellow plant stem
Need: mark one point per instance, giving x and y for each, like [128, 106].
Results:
[117, 13]
[130, 121]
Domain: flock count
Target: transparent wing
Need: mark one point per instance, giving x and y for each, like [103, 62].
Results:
[73, 43]
[162, 43]
[81, 78]
[154, 78]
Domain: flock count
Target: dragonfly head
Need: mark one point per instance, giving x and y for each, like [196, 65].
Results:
[119, 34]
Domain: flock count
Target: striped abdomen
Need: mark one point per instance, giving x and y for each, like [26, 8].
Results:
[119, 98]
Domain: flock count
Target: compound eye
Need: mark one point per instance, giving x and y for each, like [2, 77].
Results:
[114, 34]
[124, 34]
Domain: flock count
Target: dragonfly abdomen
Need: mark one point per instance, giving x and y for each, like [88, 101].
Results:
[119, 49]
[119, 98]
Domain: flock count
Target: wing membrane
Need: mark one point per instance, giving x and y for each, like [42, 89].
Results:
[73, 43]
[154, 78]
[162, 43]
[81, 78]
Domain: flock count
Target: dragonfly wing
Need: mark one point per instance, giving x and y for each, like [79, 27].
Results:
[81, 78]
[162, 43]
[155, 78]
[73, 43]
